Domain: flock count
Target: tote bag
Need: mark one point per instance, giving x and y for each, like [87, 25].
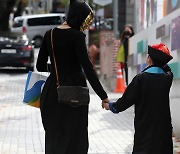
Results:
[33, 88]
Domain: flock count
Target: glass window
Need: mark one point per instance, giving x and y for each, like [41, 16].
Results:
[44, 21]
[18, 23]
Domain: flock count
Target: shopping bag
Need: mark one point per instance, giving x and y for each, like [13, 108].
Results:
[120, 54]
[33, 88]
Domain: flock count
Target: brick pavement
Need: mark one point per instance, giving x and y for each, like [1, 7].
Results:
[109, 133]
[21, 130]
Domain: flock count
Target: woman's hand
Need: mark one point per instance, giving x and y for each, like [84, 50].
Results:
[105, 104]
[105, 100]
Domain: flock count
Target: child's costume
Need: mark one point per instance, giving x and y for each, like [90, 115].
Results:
[149, 92]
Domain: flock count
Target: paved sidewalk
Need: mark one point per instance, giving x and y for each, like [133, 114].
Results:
[109, 133]
[21, 130]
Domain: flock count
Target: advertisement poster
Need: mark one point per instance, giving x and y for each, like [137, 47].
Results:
[151, 11]
[142, 14]
[160, 31]
[175, 33]
[137, 10]
[172, 5]
[155, 11]
[148, 13]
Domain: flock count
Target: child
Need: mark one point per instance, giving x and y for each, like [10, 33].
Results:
[149, 92]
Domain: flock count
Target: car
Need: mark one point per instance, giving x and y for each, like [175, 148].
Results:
[103, 24]
[16, 51]
[36, 25]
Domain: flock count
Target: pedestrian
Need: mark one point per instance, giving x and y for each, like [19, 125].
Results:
[66, 127]
[93, 53]
[149, 92]
[123, 51]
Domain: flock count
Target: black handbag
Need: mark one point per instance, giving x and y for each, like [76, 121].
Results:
[71, 95]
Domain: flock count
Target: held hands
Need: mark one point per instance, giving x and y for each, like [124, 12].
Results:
[105, 104]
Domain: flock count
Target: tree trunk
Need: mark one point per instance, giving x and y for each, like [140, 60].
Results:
[6, 7]
[19, 10]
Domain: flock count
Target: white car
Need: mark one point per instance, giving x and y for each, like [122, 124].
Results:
[35, 26]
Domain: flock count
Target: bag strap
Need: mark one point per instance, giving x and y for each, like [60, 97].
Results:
[58, 83]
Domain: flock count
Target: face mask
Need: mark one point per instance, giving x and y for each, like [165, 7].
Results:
[127, 33]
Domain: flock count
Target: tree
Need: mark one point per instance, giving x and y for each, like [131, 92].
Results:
[6, 8]
[64, 2]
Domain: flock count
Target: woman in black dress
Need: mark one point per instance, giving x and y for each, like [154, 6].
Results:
[66, 128]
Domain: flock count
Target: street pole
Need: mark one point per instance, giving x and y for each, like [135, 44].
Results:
[87, 32]
[29, 7]
[48, 6]
[115, 16]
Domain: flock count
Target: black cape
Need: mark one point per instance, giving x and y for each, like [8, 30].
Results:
[149, 92]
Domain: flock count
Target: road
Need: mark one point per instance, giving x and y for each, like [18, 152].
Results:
[21, 130]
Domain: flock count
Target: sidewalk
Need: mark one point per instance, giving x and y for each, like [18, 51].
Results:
[21, 130]
[109, 133]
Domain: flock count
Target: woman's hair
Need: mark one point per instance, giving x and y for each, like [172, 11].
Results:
[123, 33]
[79, 15]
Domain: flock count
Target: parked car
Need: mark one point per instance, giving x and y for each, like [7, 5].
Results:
[35, 26]
[104, 24]
[16, 50]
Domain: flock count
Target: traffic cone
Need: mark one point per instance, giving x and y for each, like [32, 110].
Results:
[120, 87]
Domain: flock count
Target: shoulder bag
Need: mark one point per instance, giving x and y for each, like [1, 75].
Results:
[70, 95]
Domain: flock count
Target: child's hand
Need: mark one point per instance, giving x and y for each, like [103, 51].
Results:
[105, 105]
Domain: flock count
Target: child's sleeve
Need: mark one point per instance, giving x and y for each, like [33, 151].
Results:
[112, 108]
[130, 97]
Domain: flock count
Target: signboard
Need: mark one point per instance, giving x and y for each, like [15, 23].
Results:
[102, 2]
[172, 5]
[175, 33]
[161, 31]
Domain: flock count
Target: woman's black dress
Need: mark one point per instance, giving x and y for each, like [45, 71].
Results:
[66, 128]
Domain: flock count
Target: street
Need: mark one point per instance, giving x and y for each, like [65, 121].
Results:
[21, 130]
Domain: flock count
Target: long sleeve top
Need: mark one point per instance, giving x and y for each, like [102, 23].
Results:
[72, 59]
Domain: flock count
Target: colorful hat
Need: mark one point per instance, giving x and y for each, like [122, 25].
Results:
[159, 52]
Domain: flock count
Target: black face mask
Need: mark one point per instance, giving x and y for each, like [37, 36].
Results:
[127, 33]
